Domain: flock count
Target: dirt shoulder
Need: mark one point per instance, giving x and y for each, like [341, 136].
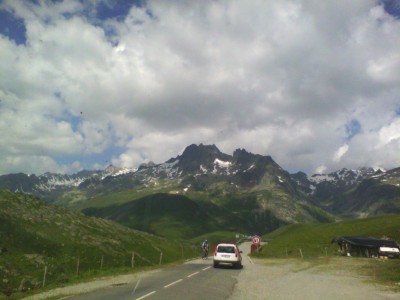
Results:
[333, 278]
[89, 286]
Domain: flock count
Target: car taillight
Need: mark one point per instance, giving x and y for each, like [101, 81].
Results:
[236, 252]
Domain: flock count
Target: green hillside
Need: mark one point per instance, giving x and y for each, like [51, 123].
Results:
[79, 199]
[315, 239]
[179, 217]
[172, 216]
[35, 236]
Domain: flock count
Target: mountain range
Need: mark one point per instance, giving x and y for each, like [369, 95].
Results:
[203, 190]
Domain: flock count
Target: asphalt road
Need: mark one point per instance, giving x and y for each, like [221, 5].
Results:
[194, 280]
[333, 278]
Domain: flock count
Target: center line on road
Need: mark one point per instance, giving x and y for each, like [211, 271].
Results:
[175, 282]
[206, 268]
[149, 294]
[193, 274]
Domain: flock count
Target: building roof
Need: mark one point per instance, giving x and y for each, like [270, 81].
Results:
[365, 241]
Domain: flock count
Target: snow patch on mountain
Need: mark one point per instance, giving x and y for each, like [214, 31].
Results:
[203, 169]
[249, 168]
[222, 164]
[350, 176]
[124, 171]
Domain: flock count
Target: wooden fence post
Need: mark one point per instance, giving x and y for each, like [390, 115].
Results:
[133, 260]
[160, 258]
[301, 253]
[77, 267]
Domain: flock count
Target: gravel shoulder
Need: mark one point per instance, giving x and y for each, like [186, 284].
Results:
[297, 279]
[85, 287]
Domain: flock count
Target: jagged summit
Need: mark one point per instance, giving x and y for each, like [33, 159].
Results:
[246, 159]
[196, 157]
[112, 169]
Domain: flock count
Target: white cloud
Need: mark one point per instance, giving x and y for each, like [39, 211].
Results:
[340, 152]
[279, 78]
[389, 134]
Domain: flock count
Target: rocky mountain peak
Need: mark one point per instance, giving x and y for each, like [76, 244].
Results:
[200, 152]
[148, 165]
[241, 156]
[112, 169]
[196, 156]
[245, 159]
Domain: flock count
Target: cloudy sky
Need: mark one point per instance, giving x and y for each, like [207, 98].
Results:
[83, 84]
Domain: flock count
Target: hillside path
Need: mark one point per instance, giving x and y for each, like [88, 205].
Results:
[296, 279]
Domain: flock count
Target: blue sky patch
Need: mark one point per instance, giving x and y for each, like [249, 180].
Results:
[87, 161]
[117, 9]
[392, 7]
[12, 27]
[352, 129]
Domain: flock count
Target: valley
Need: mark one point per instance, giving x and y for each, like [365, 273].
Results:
[112, 221]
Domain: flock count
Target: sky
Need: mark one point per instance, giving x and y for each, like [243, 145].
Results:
[84, 84]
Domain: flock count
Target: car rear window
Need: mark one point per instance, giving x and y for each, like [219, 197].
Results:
[226, 249]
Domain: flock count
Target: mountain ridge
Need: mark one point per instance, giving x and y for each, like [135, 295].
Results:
[215, 175]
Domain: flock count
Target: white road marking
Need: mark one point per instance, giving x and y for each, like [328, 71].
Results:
[175, 282]
[250, 260]
[193, 274]
[134, 290]
[149, 294]
[206, 268]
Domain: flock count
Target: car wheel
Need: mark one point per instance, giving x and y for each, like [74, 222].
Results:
[215, 264]
[238, 265]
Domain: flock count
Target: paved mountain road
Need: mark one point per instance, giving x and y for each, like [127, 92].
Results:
[194, 280]
[259, 279]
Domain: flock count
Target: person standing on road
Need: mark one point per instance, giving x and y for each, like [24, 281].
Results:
[204, 247]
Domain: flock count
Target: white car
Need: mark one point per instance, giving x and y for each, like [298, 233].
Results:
[227, 254]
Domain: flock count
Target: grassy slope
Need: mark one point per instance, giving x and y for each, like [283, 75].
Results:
[215, 237]
[35, 234]
[77, 200]
[186, 216]
[314, 238]
[172, 216]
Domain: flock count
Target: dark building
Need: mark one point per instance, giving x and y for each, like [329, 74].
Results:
[367, 246]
